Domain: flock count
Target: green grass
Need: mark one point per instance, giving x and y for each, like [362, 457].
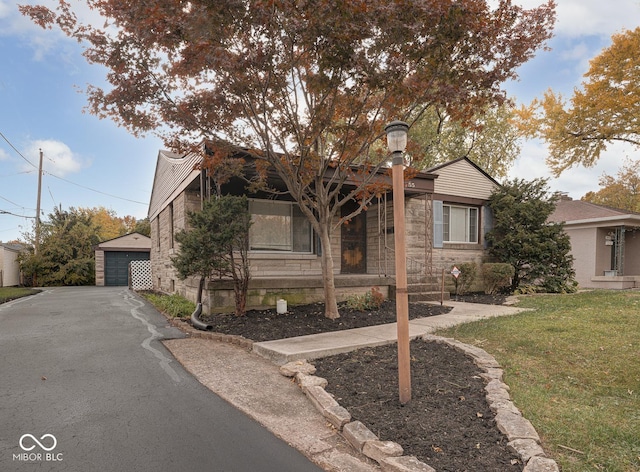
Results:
[573, 365]
[173, 305]
[11, 293]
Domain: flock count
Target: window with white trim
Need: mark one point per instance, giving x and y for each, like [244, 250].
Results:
[279, 226]
[460, 224]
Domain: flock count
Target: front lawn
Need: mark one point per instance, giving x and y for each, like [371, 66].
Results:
[573, 365]
[11, 293]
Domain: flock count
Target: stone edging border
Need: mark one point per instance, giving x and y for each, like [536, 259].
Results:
[523, 438]
[196, 333]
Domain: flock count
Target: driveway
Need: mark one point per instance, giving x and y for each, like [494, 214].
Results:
[86, 385]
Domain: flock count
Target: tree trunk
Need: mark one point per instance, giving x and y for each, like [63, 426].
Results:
[200, 289]
[330, 302]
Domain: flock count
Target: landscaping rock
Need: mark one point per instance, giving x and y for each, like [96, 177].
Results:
[379, 450]
[515, 426]
[541, 464]
[358, 434]
[338, 416]
[305, 381]
[526, 449]
[404, 464]
[290, 369]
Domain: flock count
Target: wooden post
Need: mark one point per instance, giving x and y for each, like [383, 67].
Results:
[402, 297]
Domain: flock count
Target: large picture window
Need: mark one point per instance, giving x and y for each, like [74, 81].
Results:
[459, 224]
[279, 226]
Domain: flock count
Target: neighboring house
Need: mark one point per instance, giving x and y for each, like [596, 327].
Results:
[446, 219]
[113, 258]
[9, 267]
[605, 243]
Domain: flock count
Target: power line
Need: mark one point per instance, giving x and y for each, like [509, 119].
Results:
[94, 190]
[18, 152]
[69, 181]
[13, 203]
[3, 212]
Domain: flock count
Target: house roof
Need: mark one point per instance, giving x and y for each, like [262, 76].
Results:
[580, 212]
[133, 240]
[462, 178]
[435, 169]
[17, 247]
[173, 173]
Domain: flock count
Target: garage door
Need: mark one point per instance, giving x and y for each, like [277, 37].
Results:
[116, 266]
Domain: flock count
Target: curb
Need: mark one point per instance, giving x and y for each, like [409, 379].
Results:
[192, 332]
[522, 436]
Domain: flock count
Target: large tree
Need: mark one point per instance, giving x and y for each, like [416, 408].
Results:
[309, 85]
[539, 251]
[604, 111]
[489, 138]
[621, 191]
[66, 254]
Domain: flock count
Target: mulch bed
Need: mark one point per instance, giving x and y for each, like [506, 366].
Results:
[447, 424]
[267, 325]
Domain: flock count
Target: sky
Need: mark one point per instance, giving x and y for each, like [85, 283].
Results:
[90, 162]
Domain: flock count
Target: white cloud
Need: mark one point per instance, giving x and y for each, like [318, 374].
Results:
[43, 41]
[575, 181]
[58, 159]
[591, 17]
[3, 155]
[595, 17]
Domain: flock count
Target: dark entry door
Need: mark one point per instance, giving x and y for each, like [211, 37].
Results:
[354, 243]
[116, 266]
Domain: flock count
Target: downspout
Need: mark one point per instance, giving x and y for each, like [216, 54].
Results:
[195, 316]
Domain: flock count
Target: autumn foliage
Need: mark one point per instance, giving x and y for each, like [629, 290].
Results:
[311, 83]
[603, 111]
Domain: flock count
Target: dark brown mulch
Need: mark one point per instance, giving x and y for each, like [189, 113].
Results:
[447, 424]
[267, 325]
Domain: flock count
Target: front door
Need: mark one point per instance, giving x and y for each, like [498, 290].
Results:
[354, 242]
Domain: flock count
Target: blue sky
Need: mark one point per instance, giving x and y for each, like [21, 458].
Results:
[90, 162]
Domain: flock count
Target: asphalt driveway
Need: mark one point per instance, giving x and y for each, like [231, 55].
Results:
[86, 385]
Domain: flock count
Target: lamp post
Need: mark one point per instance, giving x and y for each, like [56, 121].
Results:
[397, 143]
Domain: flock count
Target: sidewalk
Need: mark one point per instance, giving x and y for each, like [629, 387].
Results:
[315, 346]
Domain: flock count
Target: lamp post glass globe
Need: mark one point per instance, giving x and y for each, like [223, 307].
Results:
[397, 136]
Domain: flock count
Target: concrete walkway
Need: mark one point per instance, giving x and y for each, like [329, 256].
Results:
[315, 346]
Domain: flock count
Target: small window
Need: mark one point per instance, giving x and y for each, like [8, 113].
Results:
[279, 226]
[460, 224]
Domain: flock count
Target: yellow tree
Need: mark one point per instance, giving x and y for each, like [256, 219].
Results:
[622, 191]
[605, 110]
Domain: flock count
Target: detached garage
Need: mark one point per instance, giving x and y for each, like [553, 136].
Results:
[113, 258]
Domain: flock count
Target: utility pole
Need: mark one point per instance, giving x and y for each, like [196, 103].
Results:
[37, 246]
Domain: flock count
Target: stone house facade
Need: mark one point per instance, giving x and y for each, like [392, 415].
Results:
[446, 218]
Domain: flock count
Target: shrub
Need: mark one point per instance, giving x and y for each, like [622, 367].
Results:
[466, 278]
[496, 276]
[371, 300]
